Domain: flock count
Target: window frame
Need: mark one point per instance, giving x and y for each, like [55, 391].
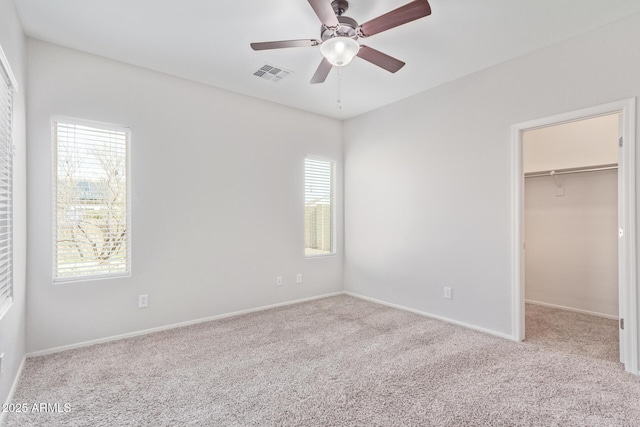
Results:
[12, 85]
[334, 246]
[54, 196]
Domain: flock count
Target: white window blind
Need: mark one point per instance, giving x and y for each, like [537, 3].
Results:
[92, 232]
[7, 86]
[319, 211]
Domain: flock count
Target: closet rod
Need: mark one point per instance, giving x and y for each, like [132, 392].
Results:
[571, 170]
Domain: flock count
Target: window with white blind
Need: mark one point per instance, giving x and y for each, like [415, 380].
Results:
[91, 193]
[7, 88]
[319, 229]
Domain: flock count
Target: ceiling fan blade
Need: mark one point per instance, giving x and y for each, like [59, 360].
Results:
[284, 43]
[322, 72]
[407, 13]
[325, 12]
[380, 59]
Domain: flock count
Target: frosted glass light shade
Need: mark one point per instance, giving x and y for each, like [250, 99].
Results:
[339, 51]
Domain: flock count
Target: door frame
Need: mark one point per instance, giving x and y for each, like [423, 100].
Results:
[627, 283]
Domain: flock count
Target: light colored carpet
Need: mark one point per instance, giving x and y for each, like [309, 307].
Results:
[338, 361]
[572, 333]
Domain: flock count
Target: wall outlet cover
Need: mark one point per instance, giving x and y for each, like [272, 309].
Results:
[143, 301]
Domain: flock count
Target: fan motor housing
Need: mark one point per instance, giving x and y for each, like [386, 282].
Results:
[346, 28]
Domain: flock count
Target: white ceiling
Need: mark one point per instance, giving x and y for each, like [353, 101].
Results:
[208, 41]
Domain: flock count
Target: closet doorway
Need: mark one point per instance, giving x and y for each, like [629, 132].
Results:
[571, 236]
[566, 270]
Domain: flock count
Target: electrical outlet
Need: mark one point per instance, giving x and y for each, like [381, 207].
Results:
[143, 301]
[279, 281]
[298, 278]
[447, 293]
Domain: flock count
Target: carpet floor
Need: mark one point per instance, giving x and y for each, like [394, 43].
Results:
[338, 361]
[572, 333]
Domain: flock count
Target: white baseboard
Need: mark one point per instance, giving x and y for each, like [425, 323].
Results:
[14, 386]
[262, 308]
[433, 316]
[176, 325]
[575, 310]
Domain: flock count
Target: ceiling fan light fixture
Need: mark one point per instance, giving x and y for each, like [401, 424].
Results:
[339, 51]
[339, 35]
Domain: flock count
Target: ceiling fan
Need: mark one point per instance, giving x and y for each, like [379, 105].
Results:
[339, 35]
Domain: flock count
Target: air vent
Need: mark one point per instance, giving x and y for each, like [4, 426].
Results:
[271, 73]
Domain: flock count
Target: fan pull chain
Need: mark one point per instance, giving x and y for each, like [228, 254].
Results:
[339, 91]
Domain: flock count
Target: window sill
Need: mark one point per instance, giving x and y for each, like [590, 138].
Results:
[66, 280]
[320, 256]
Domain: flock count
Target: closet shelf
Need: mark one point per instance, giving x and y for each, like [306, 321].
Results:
[572, 170]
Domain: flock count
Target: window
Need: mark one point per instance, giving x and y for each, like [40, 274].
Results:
[7, 87]
[91, 193]
[318, 207]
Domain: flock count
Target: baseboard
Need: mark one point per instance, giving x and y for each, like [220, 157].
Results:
[14, 386]
[575, 310]
[176, 325]
[257, 309]
[432, 316]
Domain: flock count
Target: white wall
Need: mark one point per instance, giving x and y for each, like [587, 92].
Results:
[571, 256]
[204, 162]
[12, 324]
[428, 185]
[592, 142]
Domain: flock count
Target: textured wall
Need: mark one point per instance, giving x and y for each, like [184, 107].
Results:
[571, 256]
[441, 163]
[204, 162]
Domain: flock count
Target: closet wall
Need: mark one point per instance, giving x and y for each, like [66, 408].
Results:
[571, 254]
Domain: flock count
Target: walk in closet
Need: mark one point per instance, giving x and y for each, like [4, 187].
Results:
[571, 217]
